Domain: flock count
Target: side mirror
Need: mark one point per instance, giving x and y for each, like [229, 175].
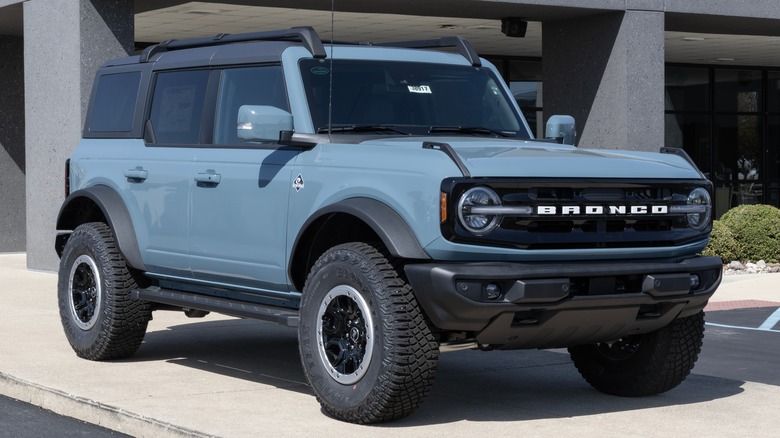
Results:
[561, 129]
[262, 123]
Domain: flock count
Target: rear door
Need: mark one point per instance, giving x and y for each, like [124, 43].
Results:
[159, 172]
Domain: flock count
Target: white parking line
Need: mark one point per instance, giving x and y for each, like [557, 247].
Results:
[771, 321]
[759, 329]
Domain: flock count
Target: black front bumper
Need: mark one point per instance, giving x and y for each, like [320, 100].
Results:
[551, 305]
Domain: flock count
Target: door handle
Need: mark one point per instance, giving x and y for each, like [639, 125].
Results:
[208, 179]
[136, 175]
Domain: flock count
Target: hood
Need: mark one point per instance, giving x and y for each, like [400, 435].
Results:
[518, 158]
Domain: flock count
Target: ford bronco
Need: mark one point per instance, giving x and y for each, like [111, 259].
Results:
[389, 201]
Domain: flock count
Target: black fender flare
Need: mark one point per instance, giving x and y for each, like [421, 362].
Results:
[114, 211]
[391, 228]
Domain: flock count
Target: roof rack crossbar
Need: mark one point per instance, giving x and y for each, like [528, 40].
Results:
[306, 35]
[463, 46]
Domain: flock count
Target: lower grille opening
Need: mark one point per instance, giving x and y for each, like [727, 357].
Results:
[589, 286]
[649, 311]
[526, 318]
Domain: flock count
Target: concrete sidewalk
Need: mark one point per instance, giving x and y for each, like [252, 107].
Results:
[221, 376]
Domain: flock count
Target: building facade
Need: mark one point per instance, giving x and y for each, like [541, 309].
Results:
[636, 74]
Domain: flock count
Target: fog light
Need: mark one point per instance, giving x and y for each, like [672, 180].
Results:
[695, 281]
[491, 292]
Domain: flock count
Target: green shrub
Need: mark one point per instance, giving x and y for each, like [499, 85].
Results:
[723, 244]
[756, 229]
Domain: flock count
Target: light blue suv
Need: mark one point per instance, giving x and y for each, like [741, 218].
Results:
[387, 200]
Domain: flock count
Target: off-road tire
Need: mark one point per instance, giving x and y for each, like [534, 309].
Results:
[645, 364]
[354, 285]
[100, 318]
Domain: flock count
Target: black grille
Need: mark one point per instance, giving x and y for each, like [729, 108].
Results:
[586, 223]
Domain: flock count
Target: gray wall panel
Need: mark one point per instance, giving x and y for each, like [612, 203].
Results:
[608, 72]
[64, 44]
[12, 157]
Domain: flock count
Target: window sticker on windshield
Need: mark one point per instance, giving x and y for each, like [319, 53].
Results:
[319, 70]
[419, 89]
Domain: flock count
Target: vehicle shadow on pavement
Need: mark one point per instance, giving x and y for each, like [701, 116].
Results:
[469, 385]
[240, 348]
[536, 385]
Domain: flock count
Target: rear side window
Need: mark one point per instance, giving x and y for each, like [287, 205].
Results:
[114, 105]
[177, 106]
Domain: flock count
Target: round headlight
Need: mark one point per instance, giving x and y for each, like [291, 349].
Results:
[478, 223]
[700, 197]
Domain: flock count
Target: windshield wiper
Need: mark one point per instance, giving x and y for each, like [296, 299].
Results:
[360, 128]
[470, 130]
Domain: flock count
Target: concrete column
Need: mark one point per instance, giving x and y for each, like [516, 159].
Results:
[64, 43]
[607, 71]
[12, 200]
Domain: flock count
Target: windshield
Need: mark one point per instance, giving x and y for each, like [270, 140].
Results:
[409, 97]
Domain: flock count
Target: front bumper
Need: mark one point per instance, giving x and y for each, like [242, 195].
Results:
[550, 305]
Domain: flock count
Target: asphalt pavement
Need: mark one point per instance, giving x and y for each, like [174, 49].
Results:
[23, 420]
[227, 377]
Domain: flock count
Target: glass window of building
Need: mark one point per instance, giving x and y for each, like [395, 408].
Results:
[525, 82]
[773, 91]
[737, 91]
[738, 157]
[728, 120]
[772, 158]
[739, 135]
[524, 77]
[690, 132]
[687, 89]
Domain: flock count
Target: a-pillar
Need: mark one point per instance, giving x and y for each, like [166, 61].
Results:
[64, 44]
[607, 71]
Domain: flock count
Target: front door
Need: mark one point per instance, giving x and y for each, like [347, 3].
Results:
[240, 192]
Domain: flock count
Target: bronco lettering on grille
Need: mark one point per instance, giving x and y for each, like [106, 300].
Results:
[572, 210]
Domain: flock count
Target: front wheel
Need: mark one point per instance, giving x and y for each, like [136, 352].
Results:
[365, 346]
[646, 364]
[100, 319]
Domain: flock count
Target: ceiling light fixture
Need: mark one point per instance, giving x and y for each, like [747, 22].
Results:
[693, 39]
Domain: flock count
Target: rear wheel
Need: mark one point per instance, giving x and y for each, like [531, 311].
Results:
[100, 319]
[366, 348]
[646, 364]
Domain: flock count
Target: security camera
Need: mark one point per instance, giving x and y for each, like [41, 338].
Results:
[513, 27]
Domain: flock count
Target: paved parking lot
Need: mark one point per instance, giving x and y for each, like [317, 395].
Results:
[743, 344]
[228, 377]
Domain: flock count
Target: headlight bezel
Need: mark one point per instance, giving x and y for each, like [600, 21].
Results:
[699, 196]
[470, 221]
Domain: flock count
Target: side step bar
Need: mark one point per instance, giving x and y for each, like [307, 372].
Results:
[241, 309]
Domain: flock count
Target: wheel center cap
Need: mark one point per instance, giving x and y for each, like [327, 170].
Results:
[354, 334]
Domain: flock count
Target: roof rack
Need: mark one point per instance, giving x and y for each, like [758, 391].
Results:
[306, 35]
[463, 46]
[310, 39]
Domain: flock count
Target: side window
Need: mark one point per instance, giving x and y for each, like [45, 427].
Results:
[246, 86]
[114, 104]
[177, 106]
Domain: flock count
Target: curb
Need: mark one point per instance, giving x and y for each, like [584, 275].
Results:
[90, 411]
